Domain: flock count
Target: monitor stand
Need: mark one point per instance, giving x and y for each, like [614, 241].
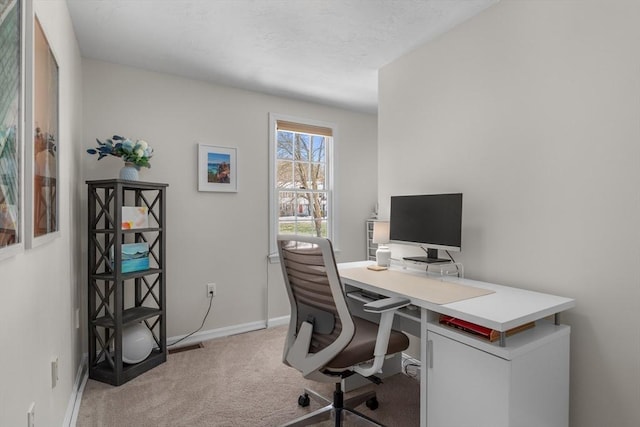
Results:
[431, 258]
[425, 259]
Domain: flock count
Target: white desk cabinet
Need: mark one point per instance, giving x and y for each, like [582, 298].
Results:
[468, 386]
[465, 381]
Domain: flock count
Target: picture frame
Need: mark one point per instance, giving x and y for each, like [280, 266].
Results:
[217, 168]
[12, 110]
[42, 154]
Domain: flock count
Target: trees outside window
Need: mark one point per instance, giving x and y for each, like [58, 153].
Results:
[301, 191]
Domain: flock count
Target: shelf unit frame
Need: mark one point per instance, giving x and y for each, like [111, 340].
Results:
[112, 303]
[371, 247]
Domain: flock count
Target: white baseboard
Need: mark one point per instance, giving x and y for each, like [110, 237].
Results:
[71, 415]
[226, 331]
[278, 321]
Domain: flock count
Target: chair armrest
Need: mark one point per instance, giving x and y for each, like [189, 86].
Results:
[386, 304]
[386, 308]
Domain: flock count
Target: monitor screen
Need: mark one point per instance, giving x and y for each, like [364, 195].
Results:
[431, 220]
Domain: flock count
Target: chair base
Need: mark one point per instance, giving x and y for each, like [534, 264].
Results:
[337, 410]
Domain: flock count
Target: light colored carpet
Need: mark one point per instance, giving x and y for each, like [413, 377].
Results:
[233, 381]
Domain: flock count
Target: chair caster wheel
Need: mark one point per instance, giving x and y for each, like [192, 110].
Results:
[372, 403]
[303, 400]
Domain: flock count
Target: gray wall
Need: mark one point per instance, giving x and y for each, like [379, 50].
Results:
[221, 237]
[531, 110]
[39, 288]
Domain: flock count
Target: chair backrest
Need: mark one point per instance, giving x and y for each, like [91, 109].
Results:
[321, 325]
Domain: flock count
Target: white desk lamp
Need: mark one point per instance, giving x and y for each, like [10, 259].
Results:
[381, 238]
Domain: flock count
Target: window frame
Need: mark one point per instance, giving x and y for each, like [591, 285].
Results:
[22, 9]
[274, 118]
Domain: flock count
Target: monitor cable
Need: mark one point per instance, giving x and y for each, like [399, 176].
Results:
[411, 368]
[449, 255]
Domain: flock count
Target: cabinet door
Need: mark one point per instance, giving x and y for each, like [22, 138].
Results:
[466, 387]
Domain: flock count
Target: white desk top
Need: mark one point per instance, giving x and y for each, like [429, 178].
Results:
[426, 289]
[505, 308]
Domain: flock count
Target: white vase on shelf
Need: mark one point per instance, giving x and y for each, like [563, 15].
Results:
[129, 172]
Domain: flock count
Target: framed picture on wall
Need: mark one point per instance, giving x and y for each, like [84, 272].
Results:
[217, 168]
[11, 129]
[42, 155]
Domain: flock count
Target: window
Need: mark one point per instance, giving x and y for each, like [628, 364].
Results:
[301, 193]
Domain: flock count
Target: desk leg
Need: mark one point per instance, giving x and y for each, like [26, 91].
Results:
[424, 366]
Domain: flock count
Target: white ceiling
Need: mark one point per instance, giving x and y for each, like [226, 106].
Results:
[324, 51]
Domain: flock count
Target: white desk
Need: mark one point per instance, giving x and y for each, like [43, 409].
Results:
[522, 381]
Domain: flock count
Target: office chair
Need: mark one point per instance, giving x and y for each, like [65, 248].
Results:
[324, 341]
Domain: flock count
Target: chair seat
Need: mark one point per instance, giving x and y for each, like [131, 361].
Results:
[363, 344]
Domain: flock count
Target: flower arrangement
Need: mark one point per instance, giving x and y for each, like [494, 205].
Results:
[138, 152]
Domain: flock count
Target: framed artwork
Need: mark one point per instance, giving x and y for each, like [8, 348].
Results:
[43, 153]
[217, 168]
[11, 129]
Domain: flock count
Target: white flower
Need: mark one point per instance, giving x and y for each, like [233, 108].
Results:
[139, 152]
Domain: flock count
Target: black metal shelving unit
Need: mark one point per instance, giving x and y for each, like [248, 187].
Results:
[118, 299]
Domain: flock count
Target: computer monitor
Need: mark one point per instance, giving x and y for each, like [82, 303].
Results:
[431, 221]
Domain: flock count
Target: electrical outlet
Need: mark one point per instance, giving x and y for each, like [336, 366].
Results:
[31, 415]
[54, 372]
[211, 290]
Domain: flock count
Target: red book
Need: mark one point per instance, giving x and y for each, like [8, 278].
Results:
[482, 331]
[466, 326]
